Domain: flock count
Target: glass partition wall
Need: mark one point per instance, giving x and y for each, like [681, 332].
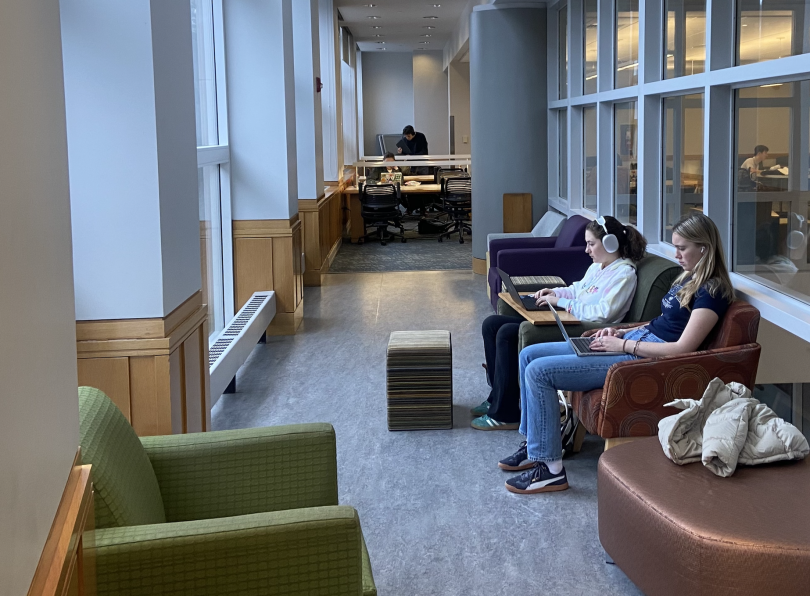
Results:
[659, 126]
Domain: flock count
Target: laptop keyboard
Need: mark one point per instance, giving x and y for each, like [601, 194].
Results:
[583, 343]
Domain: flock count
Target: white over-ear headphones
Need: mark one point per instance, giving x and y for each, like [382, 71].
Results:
[702, 249]
[609, 241]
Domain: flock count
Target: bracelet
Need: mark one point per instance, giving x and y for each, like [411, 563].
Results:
[635, 349]
[624, 345]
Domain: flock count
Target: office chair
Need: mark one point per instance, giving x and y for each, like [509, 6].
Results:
[379, 206]
[457, 203]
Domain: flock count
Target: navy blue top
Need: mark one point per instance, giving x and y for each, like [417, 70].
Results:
[673, 319]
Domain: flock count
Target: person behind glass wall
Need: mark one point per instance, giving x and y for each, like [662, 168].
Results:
[751, 166]
[698, 299]
[602, 296]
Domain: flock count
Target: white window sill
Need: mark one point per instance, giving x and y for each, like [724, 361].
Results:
[783, 311]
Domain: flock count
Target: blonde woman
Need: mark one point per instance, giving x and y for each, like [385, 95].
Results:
[698, 299]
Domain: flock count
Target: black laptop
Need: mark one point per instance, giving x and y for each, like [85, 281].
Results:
[528, 302]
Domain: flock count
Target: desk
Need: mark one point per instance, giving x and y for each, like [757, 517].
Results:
[537, 317]
[409, 178]
[357, 226]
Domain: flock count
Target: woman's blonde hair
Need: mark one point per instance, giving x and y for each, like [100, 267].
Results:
[711, 270]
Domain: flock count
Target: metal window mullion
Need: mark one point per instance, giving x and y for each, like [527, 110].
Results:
[219, 74]
[649, 179]
[576, 164]
[552, 55]
[718, 162]
[576, 49]
[553, 137]
[606, 46]
[720, 44]
[605, 159]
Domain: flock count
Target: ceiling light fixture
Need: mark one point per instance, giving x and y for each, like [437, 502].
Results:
[431, 17]
[376, 26]
[373, 17]
[378, 35]
[380, 42]
[426, 35]
[437, 6]
[428, 27]
[369, 5]
[424, 42]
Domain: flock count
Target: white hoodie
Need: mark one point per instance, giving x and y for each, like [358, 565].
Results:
[603, 295]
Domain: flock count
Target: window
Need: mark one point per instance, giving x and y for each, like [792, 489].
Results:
[626, 43]
[217, 272]
[771, 197]
[213, 289]
[589, 157]
[685, 35]
[589, 36]
[683, 158]
[770, 29]
[562, 123]
[626, 160]
[562, 50]
[205, 85]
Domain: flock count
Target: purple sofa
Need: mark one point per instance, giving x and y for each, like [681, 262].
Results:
[563, 256]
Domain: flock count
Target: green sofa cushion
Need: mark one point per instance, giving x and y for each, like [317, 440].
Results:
[126, 489]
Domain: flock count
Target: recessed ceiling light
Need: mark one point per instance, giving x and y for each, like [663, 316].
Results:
[380, 42]
[378, 35]
[437, 6]
[431, 17]
[424, 42]
[426, 35]
[369, 5]
[376, 26]
[373, 17]
[428, 27]
[381, 48]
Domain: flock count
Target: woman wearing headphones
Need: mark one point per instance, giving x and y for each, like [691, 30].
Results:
[602, 296]
[698, 299]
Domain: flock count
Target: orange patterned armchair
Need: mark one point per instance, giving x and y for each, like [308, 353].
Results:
[632, 400]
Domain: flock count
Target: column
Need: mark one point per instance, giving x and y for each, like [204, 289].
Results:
[319, 212]
[508, 101]
[267, 238]
[39, 421]
[140, 322]
[331, 100]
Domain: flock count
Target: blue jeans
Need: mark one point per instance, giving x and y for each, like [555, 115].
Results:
[547, 367]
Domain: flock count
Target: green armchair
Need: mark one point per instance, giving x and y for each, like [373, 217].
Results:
[655, 277]
[232, 512]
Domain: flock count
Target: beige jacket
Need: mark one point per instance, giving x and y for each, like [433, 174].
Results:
[726, 427]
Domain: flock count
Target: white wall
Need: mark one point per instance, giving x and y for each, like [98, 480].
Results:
[39, 425]
[431, 110]
[459, 75]
[261, 109]
[327, 25]
[308, 121]
[133, 161]
[388, 95]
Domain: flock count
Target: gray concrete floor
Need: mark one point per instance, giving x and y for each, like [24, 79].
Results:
[435, 513]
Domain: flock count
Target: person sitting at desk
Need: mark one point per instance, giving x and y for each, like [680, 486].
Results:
[603, 295]
[697, 300]
[751, 166]
[374, 174]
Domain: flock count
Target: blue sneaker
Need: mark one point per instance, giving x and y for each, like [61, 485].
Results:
[538, 479]
[481, 409]
[486, 423]
[518, 461]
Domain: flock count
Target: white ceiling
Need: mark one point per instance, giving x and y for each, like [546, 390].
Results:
[402, 23]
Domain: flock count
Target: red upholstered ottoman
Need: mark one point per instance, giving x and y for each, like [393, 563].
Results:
[682, 530]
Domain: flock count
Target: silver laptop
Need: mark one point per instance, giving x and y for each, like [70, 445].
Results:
[580, 345]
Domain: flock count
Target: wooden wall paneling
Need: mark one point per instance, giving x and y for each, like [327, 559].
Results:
[298, 248]
[517, 212]
[177, 389]
[205, 378]
[110, 375]
[193, 380]
[145, 418]
[283, 274]
[253, 267]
